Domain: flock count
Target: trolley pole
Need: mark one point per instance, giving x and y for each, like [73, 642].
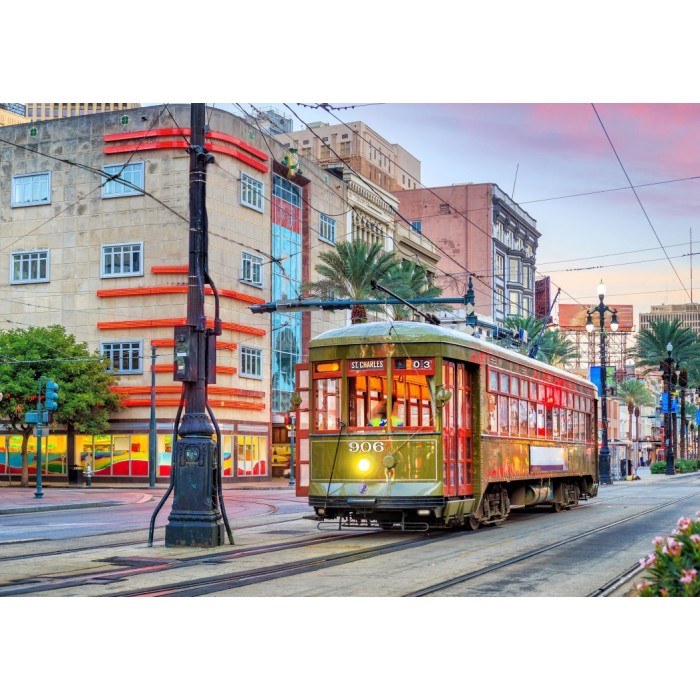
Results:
[195, 519]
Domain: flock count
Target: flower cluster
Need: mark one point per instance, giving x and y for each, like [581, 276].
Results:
[672, 568]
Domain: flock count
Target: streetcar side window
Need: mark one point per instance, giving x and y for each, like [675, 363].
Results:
[327, 382]
[327, 403]
[368, 401]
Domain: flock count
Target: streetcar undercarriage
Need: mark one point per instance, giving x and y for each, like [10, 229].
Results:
[420, 514]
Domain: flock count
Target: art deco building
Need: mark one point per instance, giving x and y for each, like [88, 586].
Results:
[94, 226]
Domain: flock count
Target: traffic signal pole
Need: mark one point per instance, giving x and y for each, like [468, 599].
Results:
[195, 519]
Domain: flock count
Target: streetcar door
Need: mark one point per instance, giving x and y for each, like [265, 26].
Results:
[458, 476]
[301, 432]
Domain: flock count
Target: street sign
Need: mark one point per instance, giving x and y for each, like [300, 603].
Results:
[33, 417]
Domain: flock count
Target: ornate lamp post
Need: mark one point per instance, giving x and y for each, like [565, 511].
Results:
[604, 471]
[668, 365]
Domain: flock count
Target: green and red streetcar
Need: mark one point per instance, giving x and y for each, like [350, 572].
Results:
[414, 426]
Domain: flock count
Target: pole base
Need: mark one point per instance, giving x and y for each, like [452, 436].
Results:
[195, 520]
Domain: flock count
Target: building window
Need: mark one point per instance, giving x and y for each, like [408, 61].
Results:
[251, 269]
[251, 362]
[131, 174]
[29, 266]
[514, 298]
[124, 356]
[252, 193]
[417, 226]
[31, 190]
[287, 191]
[345, 148]
[500, 265]
[514, 271]
[325, 152]
[122, 260]
[326, 230]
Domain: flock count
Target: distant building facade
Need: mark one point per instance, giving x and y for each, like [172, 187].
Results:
[38, 111]
[479, 232]
[367, 153]
[102, 249]
[687, 314]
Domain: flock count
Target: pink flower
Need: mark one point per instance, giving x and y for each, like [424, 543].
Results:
[658, 541]
[688, 575]
[684, 524]
[695, 538]
[648, 560]
[643, 585]
[672, 547]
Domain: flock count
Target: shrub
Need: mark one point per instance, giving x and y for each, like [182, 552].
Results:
[672, 568]
[658, 468]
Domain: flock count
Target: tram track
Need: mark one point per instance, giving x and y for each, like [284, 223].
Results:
[130, 568]
[538, 551]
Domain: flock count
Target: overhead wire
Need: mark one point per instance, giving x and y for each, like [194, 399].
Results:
[639, 201]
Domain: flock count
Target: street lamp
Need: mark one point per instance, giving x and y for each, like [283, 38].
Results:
[604, 456]
[668, 375]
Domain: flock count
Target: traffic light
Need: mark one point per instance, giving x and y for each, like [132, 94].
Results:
[51, 400]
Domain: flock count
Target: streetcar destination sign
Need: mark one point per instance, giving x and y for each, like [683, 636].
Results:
[357, 365]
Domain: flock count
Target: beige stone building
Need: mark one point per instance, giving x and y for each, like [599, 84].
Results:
[12, 113]
[38, 111]
[687, 314]
[355, 144]
[94, 226]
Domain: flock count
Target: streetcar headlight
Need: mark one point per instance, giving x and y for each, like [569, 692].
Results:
[424, 511]
[363, 465]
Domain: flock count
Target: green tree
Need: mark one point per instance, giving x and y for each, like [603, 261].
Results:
[410, 280]
[85, 397]
[347, 272]
[554, 348]
[650, 348]
[635, 394]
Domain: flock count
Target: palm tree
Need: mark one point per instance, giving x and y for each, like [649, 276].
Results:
[635, 394]
[650, 350]
[410, 280]
[554, 347]
[347, 272]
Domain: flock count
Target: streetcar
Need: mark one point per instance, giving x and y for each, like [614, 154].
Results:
[412, 426]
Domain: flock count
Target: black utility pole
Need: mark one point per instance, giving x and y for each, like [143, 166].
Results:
[667, 366]
[604, 471]
[195, 519]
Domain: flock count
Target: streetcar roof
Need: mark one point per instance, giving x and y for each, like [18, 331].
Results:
[412, 332]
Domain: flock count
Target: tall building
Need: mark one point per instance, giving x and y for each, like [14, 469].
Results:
[479, 232]
[687, 314]
[94, 226]
[38, 111]
[367, 153]
[12, 113]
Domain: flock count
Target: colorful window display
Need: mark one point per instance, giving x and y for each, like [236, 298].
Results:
[53, 454]
[124, 455]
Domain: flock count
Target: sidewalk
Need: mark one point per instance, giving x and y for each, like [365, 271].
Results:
[17, 499]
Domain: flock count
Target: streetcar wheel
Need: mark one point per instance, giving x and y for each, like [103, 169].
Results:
[473, 522]
[557, 507]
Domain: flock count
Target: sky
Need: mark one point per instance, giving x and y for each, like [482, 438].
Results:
[614, 187]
